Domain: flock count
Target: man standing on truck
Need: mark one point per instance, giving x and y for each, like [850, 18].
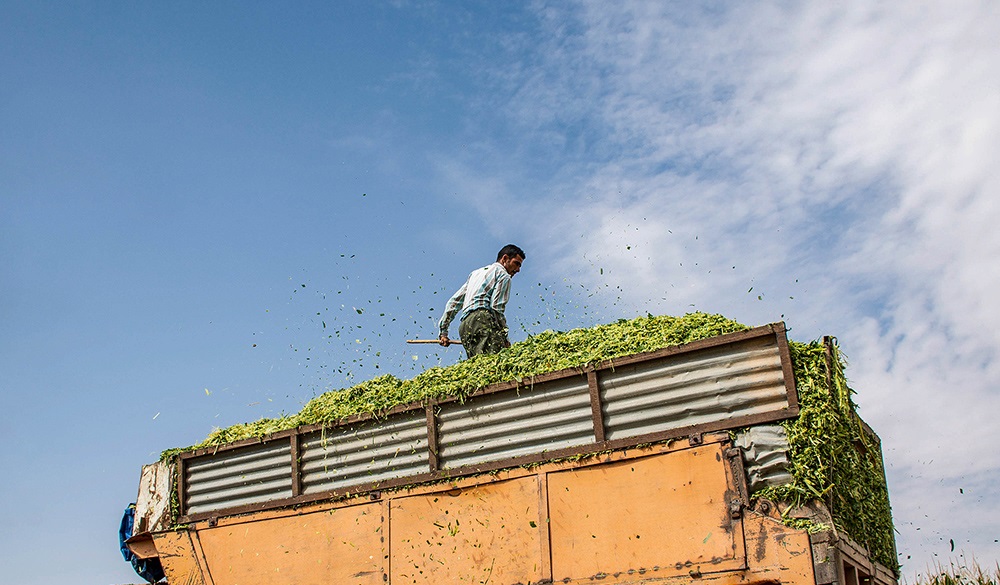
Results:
[482, 300]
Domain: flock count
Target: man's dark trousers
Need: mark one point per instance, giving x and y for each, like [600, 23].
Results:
[482, 331]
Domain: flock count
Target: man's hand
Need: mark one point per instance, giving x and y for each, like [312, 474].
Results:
[443, 340]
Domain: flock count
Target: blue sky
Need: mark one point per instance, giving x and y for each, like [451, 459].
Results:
[211, 213]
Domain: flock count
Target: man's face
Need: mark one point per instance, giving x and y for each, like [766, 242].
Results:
[511, 265]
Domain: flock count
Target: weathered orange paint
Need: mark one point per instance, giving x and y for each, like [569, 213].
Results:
[483, 534]
[773, 548]
[663, 515]
[339, 545]
[178, 557]
[142, 546]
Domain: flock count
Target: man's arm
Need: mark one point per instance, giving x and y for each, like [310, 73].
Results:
[450, 310]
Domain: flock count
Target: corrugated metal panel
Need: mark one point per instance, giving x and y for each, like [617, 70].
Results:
[364, 452]
[765, 455]
[693, 388]
[544, 417]
[737, 381]
[248, 475]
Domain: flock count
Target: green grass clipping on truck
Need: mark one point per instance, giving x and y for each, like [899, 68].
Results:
[833, 458]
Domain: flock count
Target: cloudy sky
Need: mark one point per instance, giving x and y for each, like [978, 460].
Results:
[211, 213]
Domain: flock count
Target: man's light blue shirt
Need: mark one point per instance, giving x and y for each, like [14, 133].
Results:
[486, 288]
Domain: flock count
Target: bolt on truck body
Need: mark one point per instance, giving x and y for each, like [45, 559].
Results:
[659, 467]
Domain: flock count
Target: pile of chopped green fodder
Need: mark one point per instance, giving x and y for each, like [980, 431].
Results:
[834, 459]
[548, 351]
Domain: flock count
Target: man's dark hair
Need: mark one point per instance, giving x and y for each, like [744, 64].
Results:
[511, 251]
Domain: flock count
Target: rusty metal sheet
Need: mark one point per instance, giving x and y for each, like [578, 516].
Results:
[713, 384]
[775, 549]
[181, 563]
[152, 504]
[662, 516]
[364, 452]
[255, 473]
[765, 453]
[341, 545]
[484, 534]
[544, 417]
[142, 546]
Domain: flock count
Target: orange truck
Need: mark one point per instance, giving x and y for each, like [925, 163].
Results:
[644, 469]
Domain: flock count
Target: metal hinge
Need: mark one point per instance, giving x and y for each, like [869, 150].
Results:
[735, 508]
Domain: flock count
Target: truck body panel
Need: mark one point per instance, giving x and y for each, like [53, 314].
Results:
[635, 516]
[629, 471]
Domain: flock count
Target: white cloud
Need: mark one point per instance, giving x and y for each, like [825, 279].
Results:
[839, 159]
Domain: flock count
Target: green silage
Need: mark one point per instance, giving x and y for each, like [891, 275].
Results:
[834, 457]
[548, 351]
